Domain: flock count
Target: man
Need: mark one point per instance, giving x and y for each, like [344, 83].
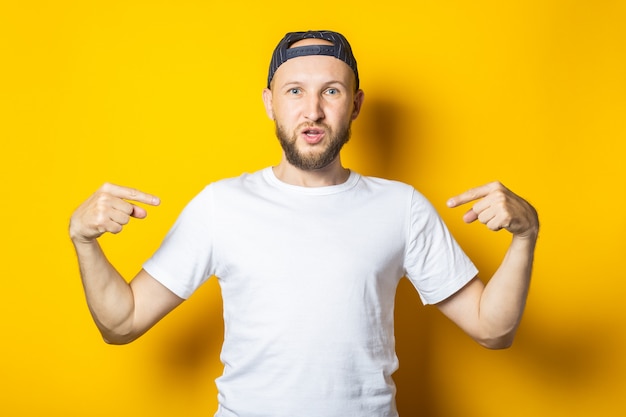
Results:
[308, 255]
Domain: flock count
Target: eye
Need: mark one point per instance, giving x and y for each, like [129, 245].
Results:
[294, 91]
[332, 91]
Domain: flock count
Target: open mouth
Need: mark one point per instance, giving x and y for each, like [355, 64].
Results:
[313, 135]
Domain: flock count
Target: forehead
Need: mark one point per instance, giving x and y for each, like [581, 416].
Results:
[320, 68]
[310, 41]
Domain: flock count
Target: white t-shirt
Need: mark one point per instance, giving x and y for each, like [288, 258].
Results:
[308, 279]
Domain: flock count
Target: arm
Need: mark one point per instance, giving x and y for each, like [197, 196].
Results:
[491, 313]
[122, 311]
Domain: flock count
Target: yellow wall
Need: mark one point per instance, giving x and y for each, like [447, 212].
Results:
[166, 96]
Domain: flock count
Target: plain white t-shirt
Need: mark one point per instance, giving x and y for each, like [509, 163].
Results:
[308, 279]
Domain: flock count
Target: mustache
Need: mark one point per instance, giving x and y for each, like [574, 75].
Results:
[313, 125]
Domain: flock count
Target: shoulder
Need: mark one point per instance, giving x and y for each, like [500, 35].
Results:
[235, 184]
[224, 185]
[418, 206]
[385, 185]
[238, 181]
[396, 188]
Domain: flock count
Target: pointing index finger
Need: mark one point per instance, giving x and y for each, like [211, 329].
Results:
[470, 195]
[131, 194]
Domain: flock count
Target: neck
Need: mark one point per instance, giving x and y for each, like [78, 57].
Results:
[332, 174]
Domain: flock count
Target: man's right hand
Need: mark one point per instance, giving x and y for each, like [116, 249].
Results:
[108, 210]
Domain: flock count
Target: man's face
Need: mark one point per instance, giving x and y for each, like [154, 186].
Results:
[313, 103]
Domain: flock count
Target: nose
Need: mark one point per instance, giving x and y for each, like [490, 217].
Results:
[313, 109]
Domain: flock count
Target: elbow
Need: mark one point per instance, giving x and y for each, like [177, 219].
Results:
[498, 341]
[116, 341]
[111, 337]
[117, 333]
[496, 344]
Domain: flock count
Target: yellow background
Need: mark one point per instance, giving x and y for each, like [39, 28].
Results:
[165, 96]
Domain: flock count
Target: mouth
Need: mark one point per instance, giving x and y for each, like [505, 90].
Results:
[313, 135]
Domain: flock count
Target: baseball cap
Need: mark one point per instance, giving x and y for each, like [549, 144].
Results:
[340, 49]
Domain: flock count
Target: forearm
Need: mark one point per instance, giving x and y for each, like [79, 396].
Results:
[504, 297]
[492, 313]
[109, 296]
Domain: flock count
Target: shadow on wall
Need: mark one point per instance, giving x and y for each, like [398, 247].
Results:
[376, 143]
[188, 353]
[414, 396]
[564, 359]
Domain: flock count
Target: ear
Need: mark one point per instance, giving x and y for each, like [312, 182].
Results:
[359, 96]
[267, 102]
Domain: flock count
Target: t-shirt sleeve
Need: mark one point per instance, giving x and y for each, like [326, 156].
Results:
[434, 262]
[184, 260]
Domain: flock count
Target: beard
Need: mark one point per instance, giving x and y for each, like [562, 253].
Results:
[316, 159]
